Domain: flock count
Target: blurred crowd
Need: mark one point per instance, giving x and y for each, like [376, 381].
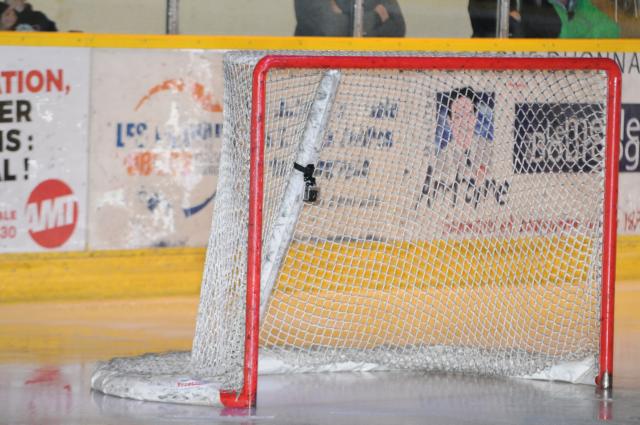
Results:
[384, 18]
[381, 18]
[544, 19]
[527, 19]
[18, 15]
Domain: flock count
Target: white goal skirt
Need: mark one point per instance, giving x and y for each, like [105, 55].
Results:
[463, 224]
[164, 377]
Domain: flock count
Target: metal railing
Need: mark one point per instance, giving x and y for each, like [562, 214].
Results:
[173, 15]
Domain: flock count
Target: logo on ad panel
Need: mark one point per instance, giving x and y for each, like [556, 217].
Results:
[630, 138]
[558, 138]
[52, 213]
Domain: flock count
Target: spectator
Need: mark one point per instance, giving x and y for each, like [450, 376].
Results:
[482, 14]
[8, 18]
[29, 19]
[382, 18]
[582, 19]
[544, 18]
[534, 19]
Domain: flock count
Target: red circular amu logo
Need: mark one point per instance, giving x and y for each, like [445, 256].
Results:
[52, 213]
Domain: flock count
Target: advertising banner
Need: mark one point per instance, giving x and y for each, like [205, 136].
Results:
[44, 104]
[629, 180]
[145, 175]
[155, 140]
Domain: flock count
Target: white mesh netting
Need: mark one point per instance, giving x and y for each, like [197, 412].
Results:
[459, 227]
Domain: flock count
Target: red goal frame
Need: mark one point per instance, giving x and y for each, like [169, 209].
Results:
[247, 396]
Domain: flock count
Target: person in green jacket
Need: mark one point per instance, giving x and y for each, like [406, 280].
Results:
[582, 19]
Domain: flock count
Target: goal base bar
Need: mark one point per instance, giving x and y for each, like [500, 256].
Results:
[132, 377]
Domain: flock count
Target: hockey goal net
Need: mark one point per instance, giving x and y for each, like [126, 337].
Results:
[385, 213]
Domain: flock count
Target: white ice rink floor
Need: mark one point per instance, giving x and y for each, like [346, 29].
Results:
[48, 352]
[36, 394]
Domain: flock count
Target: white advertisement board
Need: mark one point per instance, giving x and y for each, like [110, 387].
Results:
[145, 175]
[44, 104]
[629, 179]
[155, 139]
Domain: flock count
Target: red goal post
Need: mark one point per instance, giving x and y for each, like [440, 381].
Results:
[247, 397]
